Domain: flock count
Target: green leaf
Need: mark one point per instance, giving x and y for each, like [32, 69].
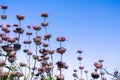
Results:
[8, 67]
[10, 77]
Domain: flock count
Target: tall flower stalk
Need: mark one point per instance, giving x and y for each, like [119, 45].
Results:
[60, 64]
[80, 58]
[47, 37]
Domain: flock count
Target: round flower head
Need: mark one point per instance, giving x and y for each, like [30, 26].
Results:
[37, 40]
[4, 47]
[11, 59]
[9, 49]
[95, 75]
[61, 64]
[61, 50]
[22, 64]
[29, 53]
[44, 51]
[50, 64]
[8, 25]
[79, 51]
[51, 51]
[4, 6]
[17, 46]
[45, 45]
[11, 40]
[80, 58]
[44, 63]
[4, 28]
[12, 54]
[45, 58]
[37, 28]
[20, 17]
[40, 59]
[45, 15]
[27, 42]
[35, 56]
[16, 38]
[60, 77]
[17, 74]
[75, 75]
[19, 30]
[61, 39]
[7, 31]
[81, 67]
[98, 65]
[44, 24]
[28, 33]
[86, 71]
[15, 25]
[47, 36]
[29, 27]
[3, 16]
[75, 70]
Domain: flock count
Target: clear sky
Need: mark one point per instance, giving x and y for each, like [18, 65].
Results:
[89, 25]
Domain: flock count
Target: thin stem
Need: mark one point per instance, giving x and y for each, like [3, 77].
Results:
[25, 71]
[5, 58]
[45, 29]
[19, 68]
[44, 19]
[35, 59]
[9, 71]
[36, 33]
[86, 76]
[20, 24]
[29, 63]
[60, 72]
[81, 73]
[50, 49]
[109, 73]
[60, 44]
[61, 58]
[36, 49]
[3, 11]
[60, 67]
[52, 63]
[19, 33]
[80, 62]
[101, 74]
[51, 57]
[34, 64]
[18, 37]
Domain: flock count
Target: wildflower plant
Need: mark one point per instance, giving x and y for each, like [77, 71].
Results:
[10, 69]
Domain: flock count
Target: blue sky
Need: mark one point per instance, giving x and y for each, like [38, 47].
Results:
[89, 25]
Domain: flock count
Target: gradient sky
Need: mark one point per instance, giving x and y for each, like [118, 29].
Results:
[89, 25]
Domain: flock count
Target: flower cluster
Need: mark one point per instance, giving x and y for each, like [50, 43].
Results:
[38, 63]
